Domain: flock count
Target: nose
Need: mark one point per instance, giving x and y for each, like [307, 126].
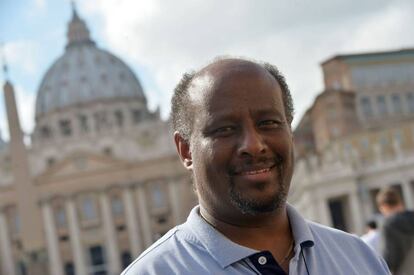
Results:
[251, 142]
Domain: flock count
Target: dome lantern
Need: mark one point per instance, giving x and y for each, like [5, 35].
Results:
[78, 32]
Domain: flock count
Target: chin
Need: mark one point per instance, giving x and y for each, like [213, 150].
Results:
[258, 205]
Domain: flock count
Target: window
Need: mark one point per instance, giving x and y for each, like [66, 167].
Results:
[22, 268]
[60, 217]
[83, 123]
[396, 104]
[410, 102]
[126, 259]
[117, 206]
[50, 161]
[97, 260]
[382, 105]
[65, 127]
[45, 132]
[366, 106]
[137, 116]
[119, 118]
[158, 197]
[337, 208]
[88, 209]
[100, 120]
[69, 268]
[107, 151]
[162, 220]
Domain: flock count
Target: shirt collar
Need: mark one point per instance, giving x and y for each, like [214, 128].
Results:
[300, 228]
[226, 252]
[222, 249]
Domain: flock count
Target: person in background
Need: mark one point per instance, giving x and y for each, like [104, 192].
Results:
[397, 232]
[372, 237]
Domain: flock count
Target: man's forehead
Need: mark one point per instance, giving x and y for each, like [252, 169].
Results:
[218, 72]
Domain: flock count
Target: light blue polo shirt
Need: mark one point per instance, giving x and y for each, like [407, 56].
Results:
[196, 247]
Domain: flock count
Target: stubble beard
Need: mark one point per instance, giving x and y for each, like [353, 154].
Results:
[254, 207]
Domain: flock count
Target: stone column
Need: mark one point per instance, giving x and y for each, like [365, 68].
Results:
[310, 204]
[6, 256]
[365, 200]
[112, 248]
[323, 210]
[75, 240]
[144, 215]
[407, 192]
[175, 200]
[55, 261]
[132, 222]
[356, 212]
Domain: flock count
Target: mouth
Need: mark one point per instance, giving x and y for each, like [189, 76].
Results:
[255, 171]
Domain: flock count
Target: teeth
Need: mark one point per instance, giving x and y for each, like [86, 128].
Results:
[256, 171]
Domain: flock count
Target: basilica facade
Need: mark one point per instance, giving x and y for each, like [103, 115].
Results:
[100, 180]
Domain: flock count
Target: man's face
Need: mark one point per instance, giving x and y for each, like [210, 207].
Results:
[241, 148]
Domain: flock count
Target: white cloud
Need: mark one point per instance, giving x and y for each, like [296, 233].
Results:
[390, 28]
[23, 54]
[171, 37]
[25, 106]
[40, 4]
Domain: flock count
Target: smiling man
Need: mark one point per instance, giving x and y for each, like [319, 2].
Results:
[232, 122]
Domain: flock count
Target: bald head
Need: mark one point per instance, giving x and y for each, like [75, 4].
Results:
[190, 89]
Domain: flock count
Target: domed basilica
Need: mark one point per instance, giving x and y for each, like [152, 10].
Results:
[100, 180]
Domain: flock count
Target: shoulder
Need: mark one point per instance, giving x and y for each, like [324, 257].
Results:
[329, 233]
[166, 256]
[336, 239]
[346, 250]
[151, 254]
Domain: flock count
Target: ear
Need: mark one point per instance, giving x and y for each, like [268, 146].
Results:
[183, 149]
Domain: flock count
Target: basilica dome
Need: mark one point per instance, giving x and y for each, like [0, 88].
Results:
[85, 74]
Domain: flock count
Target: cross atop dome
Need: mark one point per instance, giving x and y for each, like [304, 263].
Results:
[78, 32]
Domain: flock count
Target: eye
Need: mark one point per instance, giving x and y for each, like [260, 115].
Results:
[224, 130]
[269, 124]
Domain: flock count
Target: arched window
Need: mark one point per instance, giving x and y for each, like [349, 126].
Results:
[65, 127]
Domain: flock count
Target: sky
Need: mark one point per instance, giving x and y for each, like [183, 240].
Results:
[162, 39]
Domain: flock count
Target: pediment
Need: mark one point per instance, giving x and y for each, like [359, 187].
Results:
[81, 163]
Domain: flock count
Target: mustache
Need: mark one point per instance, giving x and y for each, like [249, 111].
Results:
[255, 163]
